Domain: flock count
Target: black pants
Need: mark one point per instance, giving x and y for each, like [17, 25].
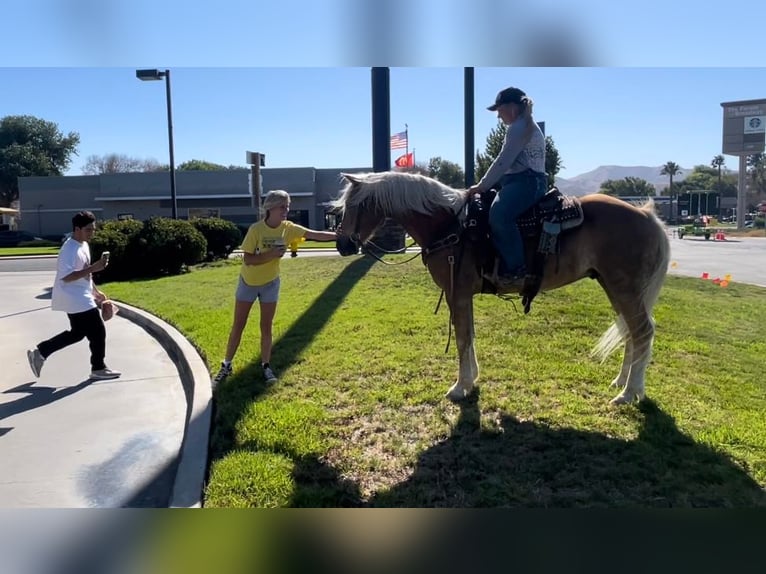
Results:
[86, 324]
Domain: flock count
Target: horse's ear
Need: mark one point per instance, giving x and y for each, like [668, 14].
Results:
[350, 177]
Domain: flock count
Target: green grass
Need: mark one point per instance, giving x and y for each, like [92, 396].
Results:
[24, 251]
[359, 418]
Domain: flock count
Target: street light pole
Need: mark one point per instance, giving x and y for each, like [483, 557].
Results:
[150, 75]
[170, 146]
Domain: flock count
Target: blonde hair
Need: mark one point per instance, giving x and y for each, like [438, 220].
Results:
[273, 199]
[525, 111]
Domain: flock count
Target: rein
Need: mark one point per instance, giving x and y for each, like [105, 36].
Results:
[451, 240]
[387, 252]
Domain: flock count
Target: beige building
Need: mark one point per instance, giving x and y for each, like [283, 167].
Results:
[47, 204]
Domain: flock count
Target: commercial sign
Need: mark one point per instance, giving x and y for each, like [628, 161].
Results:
[744, 127]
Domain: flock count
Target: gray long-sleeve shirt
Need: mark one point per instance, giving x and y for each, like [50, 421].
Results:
[515, 156]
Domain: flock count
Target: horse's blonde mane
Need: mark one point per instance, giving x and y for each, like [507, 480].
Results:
[397, 193]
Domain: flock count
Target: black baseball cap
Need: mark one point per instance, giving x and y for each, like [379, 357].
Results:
[507, 96]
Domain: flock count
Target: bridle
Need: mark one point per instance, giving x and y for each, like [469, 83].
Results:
[356, 240]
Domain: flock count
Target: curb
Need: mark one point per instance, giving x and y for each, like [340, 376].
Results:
[195, 378]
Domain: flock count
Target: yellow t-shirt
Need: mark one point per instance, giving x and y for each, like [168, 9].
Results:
[260, 238]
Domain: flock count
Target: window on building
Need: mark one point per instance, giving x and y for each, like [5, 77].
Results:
[299, 216]
[203, 212]
[330, 220]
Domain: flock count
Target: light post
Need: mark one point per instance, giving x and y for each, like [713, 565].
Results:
[152, 75]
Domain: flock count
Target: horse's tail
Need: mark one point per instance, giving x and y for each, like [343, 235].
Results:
[615, 335]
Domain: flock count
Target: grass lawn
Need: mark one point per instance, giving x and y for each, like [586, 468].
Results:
[24, 251]
[359, 418]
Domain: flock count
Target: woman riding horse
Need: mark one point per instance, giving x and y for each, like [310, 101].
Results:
[624, 248]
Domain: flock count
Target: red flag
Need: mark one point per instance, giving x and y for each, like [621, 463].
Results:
[406, 160]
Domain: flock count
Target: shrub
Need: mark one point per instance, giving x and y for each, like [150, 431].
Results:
[222, 236]
[120, 238]
[168, 246]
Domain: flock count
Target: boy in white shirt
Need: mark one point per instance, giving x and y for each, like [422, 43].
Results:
[75, 293]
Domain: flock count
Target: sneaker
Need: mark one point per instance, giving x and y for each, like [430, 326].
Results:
[512, 280]
[269, 375]
[104, 374]
[36, 361]
[223, 372]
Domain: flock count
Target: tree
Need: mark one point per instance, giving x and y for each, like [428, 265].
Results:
[671, 168]
[491, 149]
[718, 162]
[628, 186]
[756, 174]
[202, 165]
[31, 146]
[553, 163]
[447, 172]
[120, 163]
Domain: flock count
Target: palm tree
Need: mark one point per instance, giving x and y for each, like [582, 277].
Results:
[718, 162]
[671, 168]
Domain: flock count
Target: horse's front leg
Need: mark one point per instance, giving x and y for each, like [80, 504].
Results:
[468, 368]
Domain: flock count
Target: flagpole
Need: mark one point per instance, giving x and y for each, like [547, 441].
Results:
[406, 140]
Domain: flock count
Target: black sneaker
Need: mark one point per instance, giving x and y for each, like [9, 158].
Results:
[105, 374]
[268, 374]
[223, 372]
[36, 361]
[512, 280]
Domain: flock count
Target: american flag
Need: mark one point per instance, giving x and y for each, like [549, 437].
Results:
[399, 141]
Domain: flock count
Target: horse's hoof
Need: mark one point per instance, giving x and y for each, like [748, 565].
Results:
[626, 399]
[456, 394]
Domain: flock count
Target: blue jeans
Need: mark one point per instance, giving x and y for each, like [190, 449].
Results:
[518, 193]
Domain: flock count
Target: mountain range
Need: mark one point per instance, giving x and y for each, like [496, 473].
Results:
[591, 181]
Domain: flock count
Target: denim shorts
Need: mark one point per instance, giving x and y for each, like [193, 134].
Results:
[266, 293]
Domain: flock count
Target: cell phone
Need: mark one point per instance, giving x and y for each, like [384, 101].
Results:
[105, 255]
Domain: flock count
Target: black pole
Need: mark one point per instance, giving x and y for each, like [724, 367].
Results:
[469, 126]
[390, 236]
[174, 207]
[381, 120]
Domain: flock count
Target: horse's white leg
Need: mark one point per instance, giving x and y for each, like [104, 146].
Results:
[642, 337]
[621, 380]
[468, 367]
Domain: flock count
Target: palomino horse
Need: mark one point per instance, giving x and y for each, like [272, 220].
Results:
[625, 248]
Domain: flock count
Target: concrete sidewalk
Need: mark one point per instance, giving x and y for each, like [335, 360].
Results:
[67, 441]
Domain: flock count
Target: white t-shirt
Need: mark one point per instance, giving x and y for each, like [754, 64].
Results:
[74, 296]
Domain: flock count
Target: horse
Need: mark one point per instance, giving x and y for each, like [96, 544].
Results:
[623, 247]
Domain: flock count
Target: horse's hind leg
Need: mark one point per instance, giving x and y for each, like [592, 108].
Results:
[638, 353]
[621, 380]
[636, 328]
[468, 369]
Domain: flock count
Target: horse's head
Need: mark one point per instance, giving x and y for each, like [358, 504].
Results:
[360, 215]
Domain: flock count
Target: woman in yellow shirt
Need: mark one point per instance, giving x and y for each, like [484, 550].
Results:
[264, 245]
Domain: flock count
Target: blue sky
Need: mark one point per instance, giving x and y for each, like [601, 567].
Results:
[275, 77]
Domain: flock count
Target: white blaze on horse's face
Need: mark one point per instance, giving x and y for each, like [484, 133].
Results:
[360, 219]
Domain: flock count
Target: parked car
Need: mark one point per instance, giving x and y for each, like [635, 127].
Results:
[13, 238]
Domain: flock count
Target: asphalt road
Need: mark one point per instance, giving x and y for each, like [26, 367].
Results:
[743, 258]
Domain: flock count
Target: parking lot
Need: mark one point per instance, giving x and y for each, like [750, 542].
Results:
[744, 258]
